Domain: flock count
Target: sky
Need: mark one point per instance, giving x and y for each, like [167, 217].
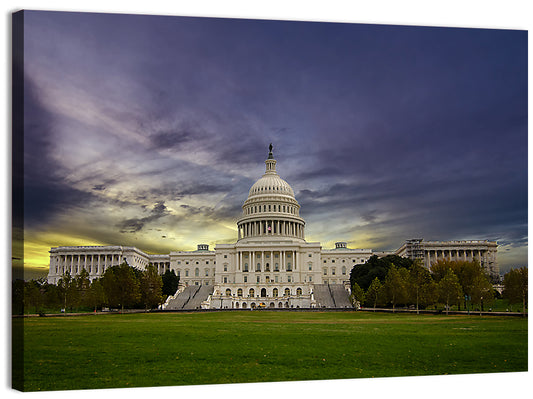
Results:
[149, 131]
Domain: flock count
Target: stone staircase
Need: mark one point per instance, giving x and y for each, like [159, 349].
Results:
[190, 298]
[331, 296]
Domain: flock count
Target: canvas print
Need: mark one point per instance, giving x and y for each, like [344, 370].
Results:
[218, 201]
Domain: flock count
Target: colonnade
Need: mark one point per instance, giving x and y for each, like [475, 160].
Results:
[93, 263]
[271, 228]
[434, 255]
[286, 261]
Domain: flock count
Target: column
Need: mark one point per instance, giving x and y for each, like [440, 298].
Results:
[282, 254]
[295, 259]
[262, 260]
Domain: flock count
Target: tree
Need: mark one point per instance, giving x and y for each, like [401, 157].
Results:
[449, 289]
[32, 295]
[82, 282]
[68, 290]
[376, 267]
[170, 282]
[121, 286]
[420, 286]
[474, 282]
[96, 294]
[515, 287]
[151, 287]
[358, 295]
[374, 295]
[395, 285]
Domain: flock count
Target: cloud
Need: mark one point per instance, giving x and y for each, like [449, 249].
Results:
[137, 224]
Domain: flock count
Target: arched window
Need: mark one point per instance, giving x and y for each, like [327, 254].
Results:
[275, 292]
[258, 267]
[252, 305]
[298, 291]
[263, 292]
[228, 292]
[244, 305]
[276, 267]
[246, 267]
[267, 267]
[251, 293]
[287, 291]
[237, 305]
[239, 292]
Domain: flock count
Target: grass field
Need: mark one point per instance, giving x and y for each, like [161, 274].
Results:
[137, 350]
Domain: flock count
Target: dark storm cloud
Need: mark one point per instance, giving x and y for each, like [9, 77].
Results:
[135, 225]
[45, 191]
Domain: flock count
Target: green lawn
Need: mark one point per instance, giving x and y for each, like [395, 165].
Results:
[137, 350]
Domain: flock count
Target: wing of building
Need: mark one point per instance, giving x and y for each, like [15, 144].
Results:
[270, 265]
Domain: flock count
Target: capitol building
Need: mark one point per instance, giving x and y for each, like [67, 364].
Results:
[271, 264]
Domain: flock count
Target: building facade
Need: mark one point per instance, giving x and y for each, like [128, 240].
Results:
[430, 252]
[271, 264]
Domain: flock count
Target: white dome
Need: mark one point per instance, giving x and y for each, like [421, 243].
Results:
[271, 210]
[271, 184]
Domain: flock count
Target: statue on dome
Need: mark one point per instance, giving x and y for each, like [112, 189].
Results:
[270, 147]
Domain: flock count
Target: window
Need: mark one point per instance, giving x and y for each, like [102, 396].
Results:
[196, 272]
[225, 267]
[276, 267]
[228, 292]
[186, 272]
[310, 278]
[245, 279]
[333, 271]
[333, 261]
[289, 267]
[325, 271]
[258, 278]
[298, 291]
[251, 293]
[225, 256]
[225, 279]
[239, 292]
[246, 267]
[258, 267]
[207, 272]
[310, 266]
[344, 270]
[289, 279]
[287, 291]
[267, 267]
[276, 278]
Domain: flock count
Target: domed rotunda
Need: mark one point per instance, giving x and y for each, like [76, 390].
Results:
[271, 210]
